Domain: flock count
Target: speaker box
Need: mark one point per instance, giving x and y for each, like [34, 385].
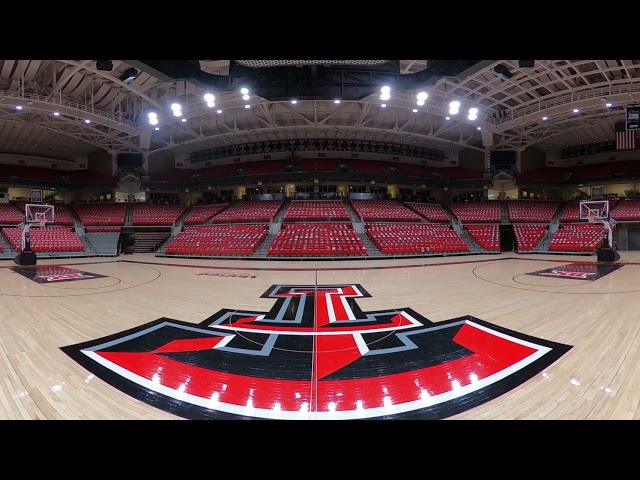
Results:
[526, 63]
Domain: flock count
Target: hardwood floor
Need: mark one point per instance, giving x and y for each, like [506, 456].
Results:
[469, 337]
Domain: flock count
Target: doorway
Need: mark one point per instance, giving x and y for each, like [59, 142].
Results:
[507, 238]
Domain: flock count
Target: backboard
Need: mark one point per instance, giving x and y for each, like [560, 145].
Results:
[39, 214]
[594, 209]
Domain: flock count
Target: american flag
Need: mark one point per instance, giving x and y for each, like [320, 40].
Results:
[625, 139]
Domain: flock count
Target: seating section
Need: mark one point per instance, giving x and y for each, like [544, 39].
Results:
[571, 212]
[577, 237]
[316, 211]
[1, 249]
[202, 214]
[627, 209]
[62, 215]
[532, 211]
[431, 211]
[148, 214]
[403, 239]
[46, 239]
[218, 240]
[487, 236]
[384, 211]
[250, 211]
[317, 239]
[10, 215]
[98, 214]
[488, 211]
[528, 236]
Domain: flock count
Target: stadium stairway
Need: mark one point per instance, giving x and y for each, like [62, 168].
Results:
[179, 221]
[372, 250]
[279, 218]
[556, 218]
[543, 246]
[149, 242]
[352, 213]
[7, 249]
[452, 218]
[504, 209]
[103, 244]
[469, 240]
[128, 219]
[263, 249]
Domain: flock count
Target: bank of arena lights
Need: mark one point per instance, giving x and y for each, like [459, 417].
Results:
[473, 113]
[422, 97]
[210, 99]
[153, 118]
[385, 93]
[454, 107]
[177, 109]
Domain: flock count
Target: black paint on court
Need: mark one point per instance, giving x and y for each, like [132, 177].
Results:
[54, 273]
[578, 271]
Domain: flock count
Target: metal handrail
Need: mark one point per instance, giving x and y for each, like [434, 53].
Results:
[64, 103]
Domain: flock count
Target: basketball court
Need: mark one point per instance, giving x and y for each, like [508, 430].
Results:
[501, 336]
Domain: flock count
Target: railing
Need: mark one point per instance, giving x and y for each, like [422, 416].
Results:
[570, 98]
[64, 103]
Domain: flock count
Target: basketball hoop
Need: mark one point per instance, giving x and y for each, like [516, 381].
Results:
[591, 218]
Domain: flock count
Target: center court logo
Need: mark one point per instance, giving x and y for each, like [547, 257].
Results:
[316, 355]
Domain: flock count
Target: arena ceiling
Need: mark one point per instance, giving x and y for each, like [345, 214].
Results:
[62, 108]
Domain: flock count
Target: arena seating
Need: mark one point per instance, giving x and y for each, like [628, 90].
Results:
[404, 239]
[488, 211]
[316, 211]
[161, 215]
[384, 211]
[218, 240]
[627, 209]
[528, 236]
[10, 215]
[317, 239]
[203, 213]
[532, 211]
[46, 239]
[571, 212]
[98, 214]
[250, 211]
[577, 237]
[62, 215]
[433, 212]
[487, 236]
[1, 249]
